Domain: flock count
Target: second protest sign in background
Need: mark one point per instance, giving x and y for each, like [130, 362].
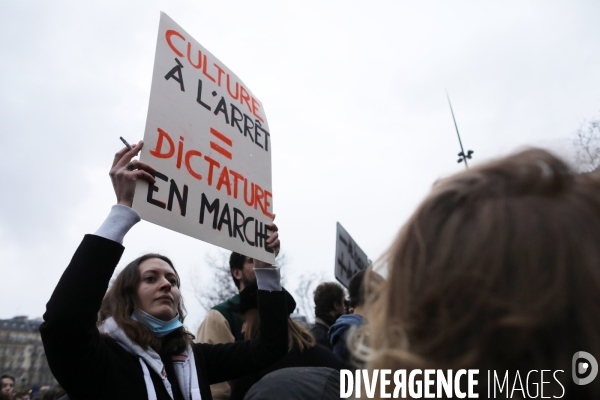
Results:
[208, 139]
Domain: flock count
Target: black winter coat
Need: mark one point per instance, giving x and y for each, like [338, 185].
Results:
[89, 365]
[321, 334]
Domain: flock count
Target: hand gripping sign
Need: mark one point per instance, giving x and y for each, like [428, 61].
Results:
[208, 139]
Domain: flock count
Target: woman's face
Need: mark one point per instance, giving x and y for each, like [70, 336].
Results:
[158, 294]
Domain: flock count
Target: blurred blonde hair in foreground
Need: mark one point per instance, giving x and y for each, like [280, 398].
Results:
[497, 269]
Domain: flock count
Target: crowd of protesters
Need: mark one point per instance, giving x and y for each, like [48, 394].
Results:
[9, 391]
[497, 269]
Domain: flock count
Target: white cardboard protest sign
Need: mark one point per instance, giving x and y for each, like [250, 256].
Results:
[349, 258]
[208, 139]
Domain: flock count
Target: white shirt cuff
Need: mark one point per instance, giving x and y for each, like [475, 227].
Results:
[119, 221]
[268, 279]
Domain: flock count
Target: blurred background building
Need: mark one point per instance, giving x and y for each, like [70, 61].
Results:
[22, 353]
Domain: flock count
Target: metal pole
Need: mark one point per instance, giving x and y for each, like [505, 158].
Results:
[457, 133]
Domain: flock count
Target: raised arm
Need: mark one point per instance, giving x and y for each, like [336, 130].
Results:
[71, 339]
[233, 360]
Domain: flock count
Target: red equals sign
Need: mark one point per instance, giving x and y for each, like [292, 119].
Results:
[218, 148]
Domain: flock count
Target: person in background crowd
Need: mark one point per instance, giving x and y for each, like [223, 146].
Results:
[329, 300]
[497, 270]
[55, 393]
[221, 325]
[22, 395]
[302, 350]
[136, 347]
[8, 385]
[339, 332]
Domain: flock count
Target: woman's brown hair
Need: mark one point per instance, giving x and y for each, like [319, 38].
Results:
[120, 302]
[298, 336]
[498, 269]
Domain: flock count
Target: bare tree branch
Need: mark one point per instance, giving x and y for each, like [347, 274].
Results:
[216, 288]
[587, 145]
[304, 294]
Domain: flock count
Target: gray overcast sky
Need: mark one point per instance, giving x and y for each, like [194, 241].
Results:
[354, 95]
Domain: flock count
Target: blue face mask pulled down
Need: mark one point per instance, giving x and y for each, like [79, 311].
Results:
[158, 327]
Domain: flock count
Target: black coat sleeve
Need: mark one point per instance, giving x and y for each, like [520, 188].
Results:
[75, 353]
[229, 361]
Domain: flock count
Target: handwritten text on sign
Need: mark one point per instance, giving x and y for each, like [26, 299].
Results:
[208, 138]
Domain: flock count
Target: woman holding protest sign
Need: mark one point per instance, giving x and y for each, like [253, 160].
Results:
[138, 348]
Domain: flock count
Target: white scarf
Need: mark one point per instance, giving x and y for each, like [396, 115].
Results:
[184, 364]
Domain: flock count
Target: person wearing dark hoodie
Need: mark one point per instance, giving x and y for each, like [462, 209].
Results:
[302, 350]
[338, 333]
